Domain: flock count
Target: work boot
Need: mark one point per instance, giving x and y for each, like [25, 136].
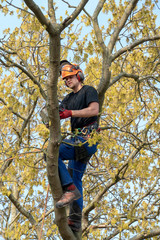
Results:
[68, 197]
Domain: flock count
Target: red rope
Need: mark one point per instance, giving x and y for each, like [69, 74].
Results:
[44, 213]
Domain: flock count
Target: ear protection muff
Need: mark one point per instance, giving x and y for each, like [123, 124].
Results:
[80, 75]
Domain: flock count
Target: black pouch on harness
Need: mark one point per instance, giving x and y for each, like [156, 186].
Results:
[81, 154]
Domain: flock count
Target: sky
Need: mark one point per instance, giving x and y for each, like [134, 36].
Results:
[13, 21]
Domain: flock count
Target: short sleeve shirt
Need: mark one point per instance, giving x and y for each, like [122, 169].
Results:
[78, 101]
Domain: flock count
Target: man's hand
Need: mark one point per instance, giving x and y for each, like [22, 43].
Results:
[65, 114]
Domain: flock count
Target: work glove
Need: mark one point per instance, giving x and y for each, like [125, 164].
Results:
[65, 114]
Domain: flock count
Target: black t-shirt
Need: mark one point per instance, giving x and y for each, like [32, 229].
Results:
[78, 101]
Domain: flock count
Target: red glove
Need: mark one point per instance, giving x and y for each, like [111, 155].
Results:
[65, 114]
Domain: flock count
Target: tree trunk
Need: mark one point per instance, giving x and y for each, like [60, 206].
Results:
[55, 137]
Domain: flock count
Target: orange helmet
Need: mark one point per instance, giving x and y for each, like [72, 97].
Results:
[71, 69]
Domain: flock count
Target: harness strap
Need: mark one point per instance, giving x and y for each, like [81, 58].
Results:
[86, 131]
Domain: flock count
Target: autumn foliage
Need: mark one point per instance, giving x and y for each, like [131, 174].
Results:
[116, 43]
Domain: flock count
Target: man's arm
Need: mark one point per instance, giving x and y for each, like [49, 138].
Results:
[90, 111]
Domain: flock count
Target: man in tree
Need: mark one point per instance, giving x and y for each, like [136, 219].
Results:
[83, 107]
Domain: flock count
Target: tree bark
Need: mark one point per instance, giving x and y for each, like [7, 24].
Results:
[55, 137]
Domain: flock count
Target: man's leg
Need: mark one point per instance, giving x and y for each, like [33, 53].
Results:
[70, 190]
[76, 170]
[67, 152]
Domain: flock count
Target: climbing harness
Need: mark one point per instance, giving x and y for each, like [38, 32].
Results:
[87, 130]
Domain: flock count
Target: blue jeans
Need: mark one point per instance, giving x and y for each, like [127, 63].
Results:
[75, 170]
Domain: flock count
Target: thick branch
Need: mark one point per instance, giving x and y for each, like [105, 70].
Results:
[51, 11]
[51, 29]
[136, 203]
[8, 52]
[11, 109]
[92, 205]
[123, 74]
[5, 165]
[133, 45]
[97, 30]
[98, 197]
[73, 16]
[121, 24]
[22, 210]
[28, 73]
[152, 233]
[28, 118]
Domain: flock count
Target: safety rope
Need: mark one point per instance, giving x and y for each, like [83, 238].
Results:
[44, 213]
[97, 160]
